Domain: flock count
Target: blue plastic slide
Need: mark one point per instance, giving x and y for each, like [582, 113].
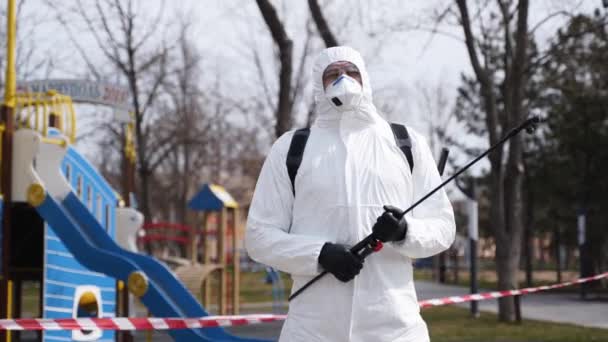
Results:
[92, 246]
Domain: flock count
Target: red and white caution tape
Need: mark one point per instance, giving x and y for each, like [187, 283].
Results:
[508, 293]
[143, 323]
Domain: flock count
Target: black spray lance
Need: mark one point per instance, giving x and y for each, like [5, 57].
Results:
[370, 244]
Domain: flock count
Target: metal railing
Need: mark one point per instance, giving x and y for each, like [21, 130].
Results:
[39, 111]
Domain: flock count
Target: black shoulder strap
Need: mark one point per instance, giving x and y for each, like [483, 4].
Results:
[404, 142]
[295, 153]
[300, 137]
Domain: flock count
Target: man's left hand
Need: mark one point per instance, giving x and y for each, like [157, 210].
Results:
[390, 226]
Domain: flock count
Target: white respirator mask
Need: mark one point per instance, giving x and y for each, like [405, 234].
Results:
[344, 93]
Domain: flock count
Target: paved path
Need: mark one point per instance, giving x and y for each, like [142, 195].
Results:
[547, 306]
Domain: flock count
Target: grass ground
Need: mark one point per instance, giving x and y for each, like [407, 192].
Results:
[452, 324]
[254, 289]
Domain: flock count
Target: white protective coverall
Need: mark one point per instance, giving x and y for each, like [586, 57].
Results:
[351, 167]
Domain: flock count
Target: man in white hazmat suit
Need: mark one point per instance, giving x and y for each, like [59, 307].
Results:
[351, 168]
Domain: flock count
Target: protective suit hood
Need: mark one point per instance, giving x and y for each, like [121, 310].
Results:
[327, 114]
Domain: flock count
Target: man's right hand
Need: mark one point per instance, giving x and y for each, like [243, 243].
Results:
[339, 261]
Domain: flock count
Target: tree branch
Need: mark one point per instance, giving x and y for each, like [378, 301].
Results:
[324, 31]
[520, 59]
[277, 30]
[300, 74]
[260, 70]
[483, 77]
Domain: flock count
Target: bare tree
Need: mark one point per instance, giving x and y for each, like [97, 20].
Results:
[506, 178]
[120, 37]
[324, 30]
[185, 116]
[435, 107]
[284, 43]
[218, 143]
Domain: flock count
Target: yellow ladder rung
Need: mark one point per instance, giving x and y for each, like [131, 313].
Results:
[54, 141]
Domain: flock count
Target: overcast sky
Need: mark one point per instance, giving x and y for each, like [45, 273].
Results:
[224, 30]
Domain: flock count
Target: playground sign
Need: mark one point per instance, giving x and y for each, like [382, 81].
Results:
[85, 91]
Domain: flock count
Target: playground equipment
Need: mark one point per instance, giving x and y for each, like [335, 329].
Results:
[202, 245]
[81, 258]
[212, 249]
[85, 236]
[219, 217]
[62, 222]
[209, 253]
[34, 250]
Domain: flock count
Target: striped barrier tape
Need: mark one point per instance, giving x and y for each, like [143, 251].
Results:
[152, 323]
[139, 323]
[508, 293]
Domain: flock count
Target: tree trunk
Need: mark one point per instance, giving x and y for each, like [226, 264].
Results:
[285, 45]
[143, 170]
[506, 180]
[507, 267]
[507, 261]
[528, 230]
[283, 112]
[558, 255]
[321, 23]
[145, 195]
[513, 227]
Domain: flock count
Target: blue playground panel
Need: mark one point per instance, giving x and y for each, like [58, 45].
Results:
[62, 271]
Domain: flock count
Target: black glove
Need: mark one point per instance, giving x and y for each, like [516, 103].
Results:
[339, 261]
[389, 227]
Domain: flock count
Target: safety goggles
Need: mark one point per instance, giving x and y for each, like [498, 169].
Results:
[334, 70]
